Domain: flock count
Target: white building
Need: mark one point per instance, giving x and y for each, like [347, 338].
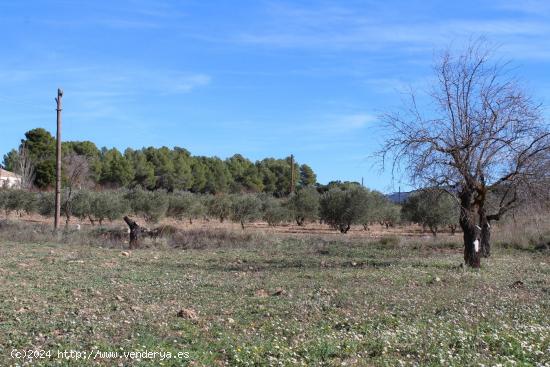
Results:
[9, 179]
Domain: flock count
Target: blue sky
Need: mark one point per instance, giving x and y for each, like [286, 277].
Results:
[260, 78]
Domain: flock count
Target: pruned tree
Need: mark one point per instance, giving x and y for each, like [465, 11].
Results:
[485, 137]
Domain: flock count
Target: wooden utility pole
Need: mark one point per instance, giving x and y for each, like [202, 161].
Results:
[58, 163]
[291, 173]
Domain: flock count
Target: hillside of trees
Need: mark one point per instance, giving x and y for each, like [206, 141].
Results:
[153, 168]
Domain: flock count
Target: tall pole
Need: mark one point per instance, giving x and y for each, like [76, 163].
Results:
[291, 173]
[362, 185]
[58, 163]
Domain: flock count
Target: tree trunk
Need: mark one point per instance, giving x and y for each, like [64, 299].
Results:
[485, 237]
[135, 232]
[452, 227]
[242, 224]
[344, 228]
[471, 238]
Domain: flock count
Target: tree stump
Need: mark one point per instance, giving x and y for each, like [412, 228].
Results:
[135, 232]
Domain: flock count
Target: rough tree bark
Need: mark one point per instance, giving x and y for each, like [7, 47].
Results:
[467, 223]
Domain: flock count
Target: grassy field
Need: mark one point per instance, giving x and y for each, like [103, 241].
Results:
[289, 302]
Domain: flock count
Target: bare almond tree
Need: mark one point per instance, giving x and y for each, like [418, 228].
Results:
[484, 138]
[25, 168]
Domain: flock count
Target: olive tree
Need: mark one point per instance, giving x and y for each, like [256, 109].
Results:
[304, 205]
[113, 205]
[432, 209]
[246, 208]
[184, 204]
[274, 211]
[151, 205]
[379, 209]
[81, 204]
[390, 214]
[18, 201]
[484, 136]
[219, 206]
[342, 208]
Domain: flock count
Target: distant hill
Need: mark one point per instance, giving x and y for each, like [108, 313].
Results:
[399, 197]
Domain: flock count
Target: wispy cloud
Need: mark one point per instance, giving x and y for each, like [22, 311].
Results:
[333, 28]
[121, 15]
[353, 121]
[530, 7]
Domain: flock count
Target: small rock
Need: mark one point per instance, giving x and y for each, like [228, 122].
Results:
[230, 320]
[437, 279]
[261, 293]
[119, 298]
[353, 263]
[125, 253]
[188, 313]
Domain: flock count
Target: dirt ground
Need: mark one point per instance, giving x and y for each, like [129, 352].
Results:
[313, 228]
